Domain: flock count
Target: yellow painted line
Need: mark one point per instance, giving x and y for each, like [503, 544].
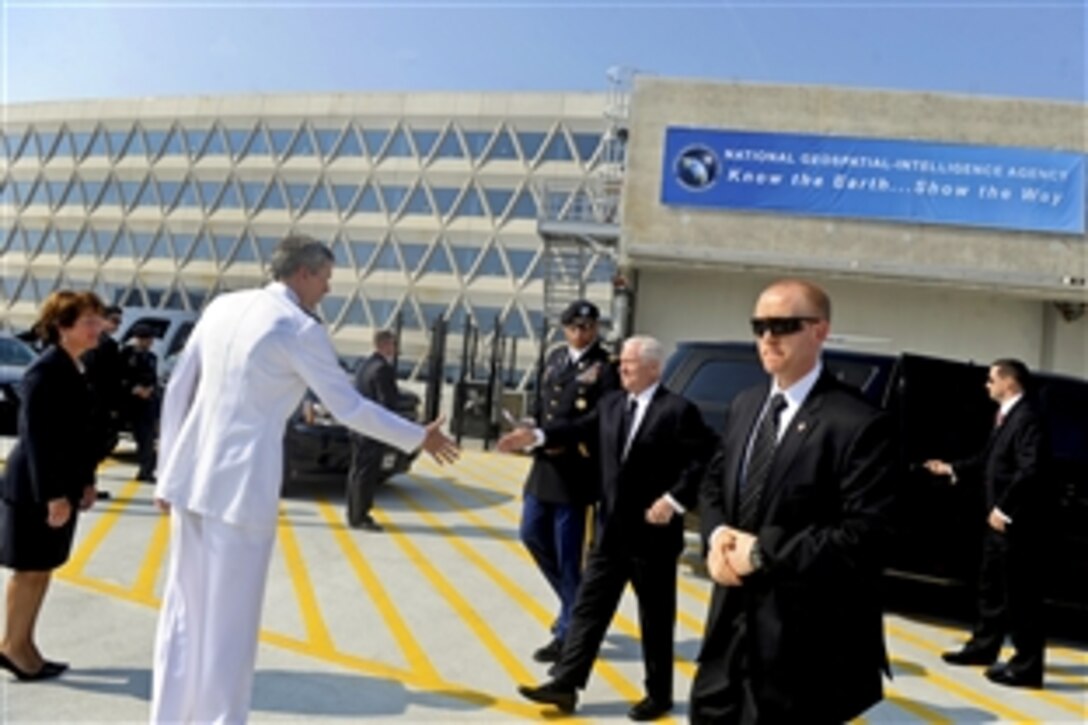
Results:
[1077, 656]
[144, 587]
[519, 595]
[414, 654]
[108, 588]
[991, 705]
[458, 603]
[922, 712]
[94, 538]
[316, 630]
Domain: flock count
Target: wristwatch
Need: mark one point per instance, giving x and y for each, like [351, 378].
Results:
[755, 556]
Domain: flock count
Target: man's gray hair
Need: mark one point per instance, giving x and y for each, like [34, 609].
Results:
[297, 251]
[650, 349]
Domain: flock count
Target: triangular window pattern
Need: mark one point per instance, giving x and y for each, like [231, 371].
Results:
[450, 148]
[85, 245]
[237, 140]
[183, 244]
[196, 139]
[438, 261]
[557, 149]
[330, 307]
[129, 190]
[498, 200]
[187, 195]
[141, 244]
[75, 197]
[28, 147]
[530, 143]
[46, 141]
[413, 254]
[524, 207]
[503, 148]
[320, 200]
[161, 249]
[67, 239]
[230, 198]
[136, 145]
[252, 192]
[381, 311]
[444, 197]
[281, 140]
[398, 146]
[246, 251]
[10, 284]
[201, 250]
[409, 318]
[356, 314]
[146, 195]
[121, 247]
[23, 190]
[431, 312]
[296, 195]
[42, 242]
[118, 142]
[418, 203]
[350, 145]
[303, 145]
[40, 195]
[326, 140]
[343, 195]
[224, 243]
[387, 259]
[471, 204]
[274, 197]
[465, 257]
[362, 251]
[258, 145]
[58, 192]
[586, 144]
[374, 139]
[476, 141]
[172, 144]
[64, 148]
[514, 323]
[266, 246]
[520, 259]
[491, 265]
[393, 195]
[209, 194]
[81, 141]
[425, 141]
[215, 146]
[342, 259]
[168, 194]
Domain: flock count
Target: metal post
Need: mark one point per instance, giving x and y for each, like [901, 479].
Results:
[436, 364]
[492, 380]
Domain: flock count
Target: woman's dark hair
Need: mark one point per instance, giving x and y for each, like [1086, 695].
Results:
[60, 311]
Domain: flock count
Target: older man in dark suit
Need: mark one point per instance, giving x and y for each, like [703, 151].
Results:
[564, 479]
[653, 451]
[795, 512]
[376, 379]
[1010, 594]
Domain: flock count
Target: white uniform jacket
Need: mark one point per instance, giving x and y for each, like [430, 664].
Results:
[243, 372]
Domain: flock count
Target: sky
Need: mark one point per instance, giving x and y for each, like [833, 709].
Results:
[80, 49]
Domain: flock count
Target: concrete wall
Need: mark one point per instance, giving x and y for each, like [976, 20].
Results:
[676, 304]
[959, 257]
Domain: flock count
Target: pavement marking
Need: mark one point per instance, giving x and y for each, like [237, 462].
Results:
[316, 630]
[926, 714]
[144, 586]
[94, 538]
[618, 682]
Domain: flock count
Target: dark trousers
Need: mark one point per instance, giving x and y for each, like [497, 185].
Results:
[364, 477]
[554, 533]
[144, 421]
[606, 575]
[1010, 598]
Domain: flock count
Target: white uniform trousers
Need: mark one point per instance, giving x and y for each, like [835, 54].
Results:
[206, 645]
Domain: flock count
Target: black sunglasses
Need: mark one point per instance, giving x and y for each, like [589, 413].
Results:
[779, 326]
[579, 325]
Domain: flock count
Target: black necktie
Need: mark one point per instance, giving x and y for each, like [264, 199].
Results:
[759, 462]
[626, 422]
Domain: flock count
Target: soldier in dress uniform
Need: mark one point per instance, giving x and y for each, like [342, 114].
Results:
[140, 380]
[564, 482]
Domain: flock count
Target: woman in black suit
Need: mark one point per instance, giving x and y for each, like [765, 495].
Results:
[50, 473]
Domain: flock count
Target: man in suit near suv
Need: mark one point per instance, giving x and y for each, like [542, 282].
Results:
[795, 512]
[653, 450]
[1010, 594]
[376, 380]
[564, 479]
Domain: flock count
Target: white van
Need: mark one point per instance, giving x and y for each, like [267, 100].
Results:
[171, 328]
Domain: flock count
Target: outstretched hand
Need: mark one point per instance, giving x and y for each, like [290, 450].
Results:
[438, 444]
[517, 440]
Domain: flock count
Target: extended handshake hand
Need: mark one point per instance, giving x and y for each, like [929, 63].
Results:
[730, 556]
[517, 440]
[438, 444]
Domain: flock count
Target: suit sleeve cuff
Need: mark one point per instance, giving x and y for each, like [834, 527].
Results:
[676, 505]
[1002, 515]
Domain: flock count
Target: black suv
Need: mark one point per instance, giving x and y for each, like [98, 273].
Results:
[942, 411]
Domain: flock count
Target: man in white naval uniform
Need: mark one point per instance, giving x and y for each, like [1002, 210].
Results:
[244, 370]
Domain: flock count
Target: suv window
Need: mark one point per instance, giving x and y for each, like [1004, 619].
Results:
[14, 353]
[158, 326]
[721, 380]
[180, 338]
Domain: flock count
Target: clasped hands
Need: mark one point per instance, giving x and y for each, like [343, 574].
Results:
[729, 558]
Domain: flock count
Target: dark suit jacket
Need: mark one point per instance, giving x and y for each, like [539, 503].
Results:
[813, 612]
[567, 473]
[104, 373]
[1011, 466]
[377, 380]
[55, 456]
[669, 454]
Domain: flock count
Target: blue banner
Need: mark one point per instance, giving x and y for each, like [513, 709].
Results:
[904, 181]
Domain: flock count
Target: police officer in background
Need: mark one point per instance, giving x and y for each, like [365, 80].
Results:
[564, 482]
[103, 365]
[139, 375]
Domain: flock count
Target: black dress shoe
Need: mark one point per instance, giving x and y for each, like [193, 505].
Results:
[549, 652]
[969, 656]
[367, 524]
[551, 693]
[46, 672]
[649, 709]
[1004, 675]
[103, 495]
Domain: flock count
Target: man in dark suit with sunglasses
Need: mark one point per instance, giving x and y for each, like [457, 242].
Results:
[794, 512]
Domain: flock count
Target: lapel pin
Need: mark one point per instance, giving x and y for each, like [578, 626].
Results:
[802, 426]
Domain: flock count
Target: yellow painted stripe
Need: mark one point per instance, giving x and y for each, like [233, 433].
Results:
[316, 630]
[926, 714]
[144, 587]
[519, 595]
[414, 654]
[94, 538]
[1077, 656]
[990, 704]
[458, 603]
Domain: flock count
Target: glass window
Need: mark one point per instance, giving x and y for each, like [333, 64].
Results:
[362, 251]
[57, 190]
[432, 311]
[514, 324]
[175, 300]
[75, 195]
[15, 353]
[330, 307]
[146, 195]
[281, 137]
[129, 191]
[587, 144]
[498, 200]
[382, 310]
[356, 314]
[368, 200]
[267, 245]
[82, 142]
[245, 251]
[195, 139]
[7, 193]
[343, 194]
[374, 139]
[92, 192]
[524, 207]
[172, 145]
[424, 141]
[168, 193]
[409, 318]
[350, 145]
[503, 148]
[224, 243]
[118, 139]
[387, 259]
[398, 146]
[66, 238]
[455, 318]
[40, 195]
[209, 193]
[229, 199]
[465, 257]
[46, 141]
[10, 284]
[28, 146]
[326, 140]
[340, 254]
[418, 203]
[320, 200]
[215, 145]
[120, 246]
[444, 197]
[64, 147]
[237, 139]
[393, 195]
[450, 148]
[603, 269]
[141, 244]
[519, 259]
[491, 265]
[274, 198]
[303, 145]
[485, 317]
[476, 141]
[296, 195]
[161, 248]
[530, 143]
[413, 255]
[187, 195]
[136, 145]
[252, 191]
[23, 190]
[558, 149]
[85, 245]
[439, 261]
[258, 145]
[470, 204]
[40, 241]
[201, 249]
